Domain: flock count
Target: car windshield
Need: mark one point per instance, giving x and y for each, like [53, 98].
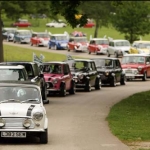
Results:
[133, 59]
[122, 43]
[143, 45]
[81, 65]
[101, 42]
[25, 33]
[52, 68]
[11, 74]
[43, 35]
[80, 40]
[59, 38]
[104, 63]
[19, 94]
[9, 31]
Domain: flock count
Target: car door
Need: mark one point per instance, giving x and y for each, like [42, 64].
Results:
[71, 44]
[33, 38]
[112, 46]
[17, 37]
[117, 69]
[52, 41]
[92, 72]
[67, 76]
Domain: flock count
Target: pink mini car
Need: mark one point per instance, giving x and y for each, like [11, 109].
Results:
[58, 78]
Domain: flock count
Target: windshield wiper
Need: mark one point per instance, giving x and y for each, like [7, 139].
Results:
[8, 100]
[29, 100]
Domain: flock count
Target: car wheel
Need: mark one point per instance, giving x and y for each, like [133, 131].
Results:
[37, 44]
[123, 81]
[55, 47]
[31, 43]
[88, 87]
[62, 90]
[108, 55]
[73, 88]
[144, 78]
[20, 42]
[113, 82]
[44, 137]
[14, 41]
[89, 51]
[7, 39]
[116, 55]
[44, 93]
[98, 84]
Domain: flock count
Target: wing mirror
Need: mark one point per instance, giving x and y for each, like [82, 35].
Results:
[45, 101]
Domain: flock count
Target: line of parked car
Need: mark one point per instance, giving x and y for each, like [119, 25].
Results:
[24, 86]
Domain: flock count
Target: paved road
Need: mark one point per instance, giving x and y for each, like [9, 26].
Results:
[77, 122]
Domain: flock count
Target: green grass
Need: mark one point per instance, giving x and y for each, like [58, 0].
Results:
[129, 120]
[13, 53]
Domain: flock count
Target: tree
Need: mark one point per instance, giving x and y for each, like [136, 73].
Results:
[68, 9]
[99, 11]
[15, 10]
[131, 19]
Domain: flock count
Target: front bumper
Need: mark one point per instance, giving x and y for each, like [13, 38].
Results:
[102, 51]
[52, 87]
[106, 79]
[25, 40]
[132, 73]
[81, 48]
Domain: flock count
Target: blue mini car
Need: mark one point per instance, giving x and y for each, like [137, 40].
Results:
[22, 36]
[58, 41]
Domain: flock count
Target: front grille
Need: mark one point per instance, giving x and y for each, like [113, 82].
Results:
[16, 123]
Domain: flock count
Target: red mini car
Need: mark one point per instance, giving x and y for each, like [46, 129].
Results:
[98, 46]
[58, 78]
[21, 23]
[40, 39]
[136, 66]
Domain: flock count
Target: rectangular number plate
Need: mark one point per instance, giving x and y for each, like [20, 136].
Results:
[13, 134]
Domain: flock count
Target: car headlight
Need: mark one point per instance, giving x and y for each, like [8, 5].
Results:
[106, 73]
[81, 76]
[2, 122]
[55, 81]
[38, 116]
[140, 68]
[27, 123]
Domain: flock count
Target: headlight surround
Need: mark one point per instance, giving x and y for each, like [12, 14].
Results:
[38, 116]
[81, 76]
[107, 73]
[140, 68]
[55, 81]
[2, 122]
[27, 123]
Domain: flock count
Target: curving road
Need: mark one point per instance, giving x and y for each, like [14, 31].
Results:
[77, 122]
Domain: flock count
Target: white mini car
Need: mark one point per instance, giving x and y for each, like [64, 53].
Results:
[22, 113]
[56, 24]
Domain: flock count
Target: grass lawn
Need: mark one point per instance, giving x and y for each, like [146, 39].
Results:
[129, 119]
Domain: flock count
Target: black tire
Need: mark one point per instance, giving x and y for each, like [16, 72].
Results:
[108, 55]
[123, 81]
[49, 47]
[97, 84]
[44, 137]
[44, 93]
[62, 90]
[144, 78]
[14, 41]
[88, 87]
[72, 90]
[113, 82]
[31, 43]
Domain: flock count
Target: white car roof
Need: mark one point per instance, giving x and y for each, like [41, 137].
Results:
[99, 39]
[12, 67]
[137, 54]
[23, 30]
[58, 35]
[119, 40]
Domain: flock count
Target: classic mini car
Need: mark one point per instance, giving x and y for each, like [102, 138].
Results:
[90, 24]
[40, 39]
[110, 71]
[136, 66]
[118, 47]
[21, 23]
[58, 41]
[58, 78]
[8, 33]
[13, 73]
[56, 24]
[85, 74]
[98, 46]
[22, 111]
[139, 47]
[78, 44]
[32, 71]
[22, 36]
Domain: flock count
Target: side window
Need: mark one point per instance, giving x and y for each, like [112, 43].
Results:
[93, 66]
[110, 43]
[66, 69]
[117, 64]
[147, 59]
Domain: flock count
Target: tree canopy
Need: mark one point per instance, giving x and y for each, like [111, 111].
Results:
[131, 18]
